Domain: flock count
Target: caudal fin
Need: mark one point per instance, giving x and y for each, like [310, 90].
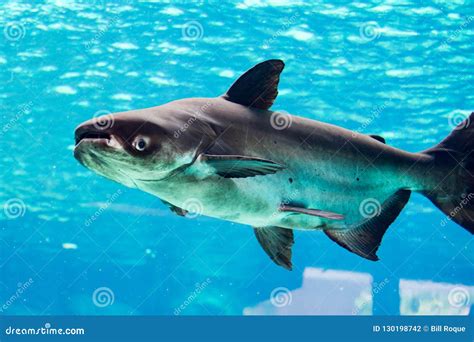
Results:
[454, 191]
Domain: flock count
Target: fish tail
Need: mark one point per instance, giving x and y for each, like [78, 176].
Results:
[453, 158]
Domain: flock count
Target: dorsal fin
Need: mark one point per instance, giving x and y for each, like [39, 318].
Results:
[365, 238]
[377, 137]
[257, 87]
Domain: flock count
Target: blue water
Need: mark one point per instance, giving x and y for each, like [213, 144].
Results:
[81, 244]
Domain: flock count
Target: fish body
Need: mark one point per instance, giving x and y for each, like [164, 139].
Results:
[233, 158]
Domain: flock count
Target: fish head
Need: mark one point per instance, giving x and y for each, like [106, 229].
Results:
[134, 146]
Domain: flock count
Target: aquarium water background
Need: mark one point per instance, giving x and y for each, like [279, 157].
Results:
[72, 242]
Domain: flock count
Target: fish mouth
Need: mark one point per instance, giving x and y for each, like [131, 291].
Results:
[89, 134]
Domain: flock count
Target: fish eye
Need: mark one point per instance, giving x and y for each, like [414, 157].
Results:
[141, 143]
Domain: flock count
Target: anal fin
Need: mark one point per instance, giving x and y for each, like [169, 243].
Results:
[365, 238]
[177, 210]
[277, 243]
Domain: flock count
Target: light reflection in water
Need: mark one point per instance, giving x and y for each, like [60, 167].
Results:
[335, 292]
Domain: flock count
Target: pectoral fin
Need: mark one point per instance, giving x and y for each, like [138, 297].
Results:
[239, 166]
[277, 243]
[312, 212]
[364, 239]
